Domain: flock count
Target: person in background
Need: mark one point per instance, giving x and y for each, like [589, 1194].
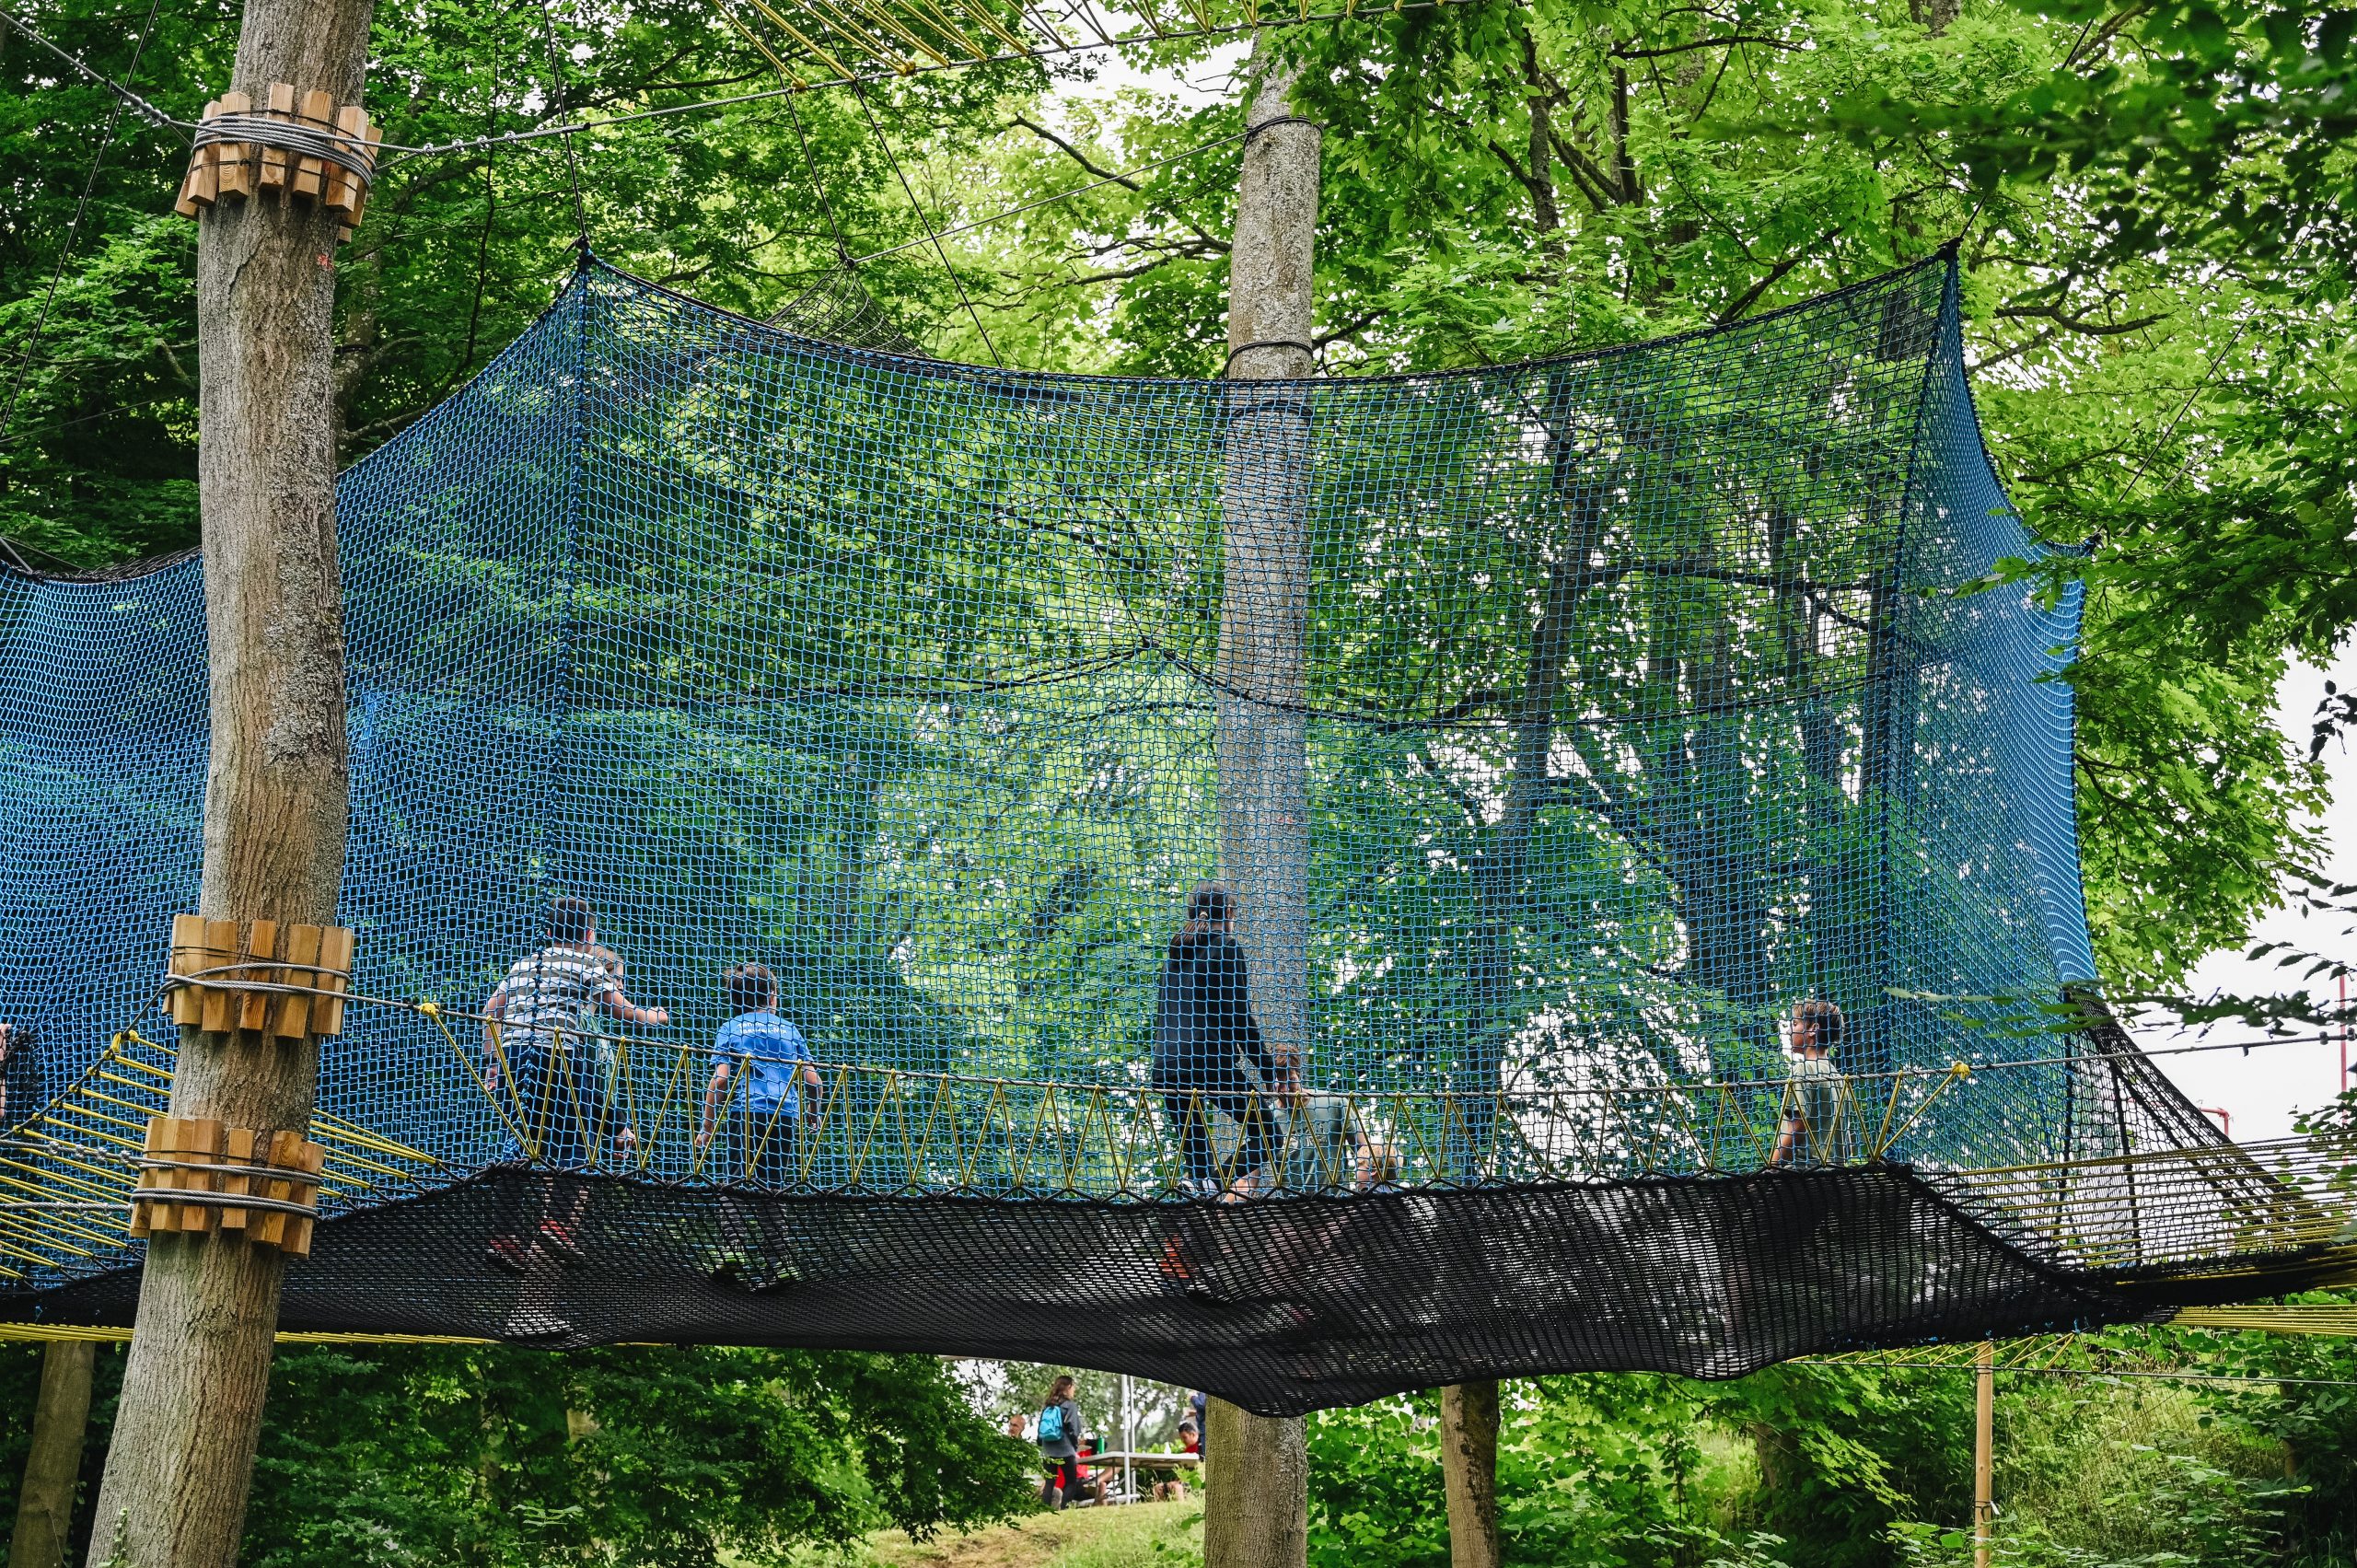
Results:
[1058, 1434]
[1820, 1123]
[1327, 1149]
[1017, 1427]
[1209, 1057]
[1198, 1403]
[7, 1071]
[532, 1019]
[611, 1062]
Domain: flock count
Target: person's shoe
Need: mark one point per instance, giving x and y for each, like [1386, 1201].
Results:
[1055, 1500]
[507, 1252]
[558, 1238]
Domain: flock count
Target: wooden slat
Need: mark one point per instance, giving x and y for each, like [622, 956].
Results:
[222, 940]
[200, 1140]
[310, 173]
[236, 162]
[302, 948]
[279, 100]
[238, 1150]
[254, 1006]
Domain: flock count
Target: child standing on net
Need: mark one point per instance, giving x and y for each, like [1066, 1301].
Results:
[761, 1065]
[532, 1039]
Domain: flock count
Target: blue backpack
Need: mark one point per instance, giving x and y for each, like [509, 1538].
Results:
[1051, 1424]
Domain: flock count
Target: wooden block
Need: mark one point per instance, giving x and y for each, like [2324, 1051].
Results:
[188, 957]
[335, 953]
[222, 940]
[254, 1007]
[343, 186]
[200, 1143]
[272, 175]
[313, 1161]
[269, 1227]
[310, 173]
[237, 162]
[238, 1150]
[152, 1146]
[301, 947]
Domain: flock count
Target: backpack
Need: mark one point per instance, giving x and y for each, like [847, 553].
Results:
[1051, 1424]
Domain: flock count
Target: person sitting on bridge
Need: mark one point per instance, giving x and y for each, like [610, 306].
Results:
[532, 1018]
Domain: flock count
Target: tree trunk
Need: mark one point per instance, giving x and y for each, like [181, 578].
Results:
[1256, 1509]
[1469, 1465]
[1256, 1490]
[174, 1493]
[61, 1420]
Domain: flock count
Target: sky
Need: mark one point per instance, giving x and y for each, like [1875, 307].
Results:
[2262, 1090]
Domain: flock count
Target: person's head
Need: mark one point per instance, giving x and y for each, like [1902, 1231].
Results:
[1211, 910]
[570, 922]
[752, 989]
[1062, 1387]
[611, 960]
[1817, 1028]
[1187, 1429]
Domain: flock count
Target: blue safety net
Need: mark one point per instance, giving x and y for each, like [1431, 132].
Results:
[1140, 794]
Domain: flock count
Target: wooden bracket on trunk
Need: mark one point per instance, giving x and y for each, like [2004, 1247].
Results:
[197, 1176]
[259, 978]
[293, 144]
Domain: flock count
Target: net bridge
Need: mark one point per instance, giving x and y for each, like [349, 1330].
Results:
[1303, 890]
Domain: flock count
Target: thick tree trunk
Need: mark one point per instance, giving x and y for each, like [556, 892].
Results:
[61, 1419]
[1256, 1490]
[174, 1494]
[1255, 1509]
[1469, 1464]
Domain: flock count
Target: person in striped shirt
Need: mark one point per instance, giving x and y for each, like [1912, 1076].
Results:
[533, 1033]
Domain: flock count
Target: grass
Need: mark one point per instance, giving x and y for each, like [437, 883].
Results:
[1145, 1534]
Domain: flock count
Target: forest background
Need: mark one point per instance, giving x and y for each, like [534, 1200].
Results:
[2152, 209]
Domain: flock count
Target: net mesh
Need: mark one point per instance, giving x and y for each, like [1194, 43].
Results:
[1304, 887]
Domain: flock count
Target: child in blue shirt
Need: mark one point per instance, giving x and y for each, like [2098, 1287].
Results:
[760, 1065]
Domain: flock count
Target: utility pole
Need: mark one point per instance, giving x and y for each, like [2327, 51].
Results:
[1256, 1480]
[53, 1462]
[174, 1493]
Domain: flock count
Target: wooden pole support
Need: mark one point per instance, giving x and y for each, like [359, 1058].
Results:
[221, 962]
[289, 164]
[192, 1172]
[1984, 1454]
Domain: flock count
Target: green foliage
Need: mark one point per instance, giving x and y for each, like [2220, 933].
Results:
[641, 1455]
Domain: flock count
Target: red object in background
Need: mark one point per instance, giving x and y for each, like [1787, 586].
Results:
[2225, 1122]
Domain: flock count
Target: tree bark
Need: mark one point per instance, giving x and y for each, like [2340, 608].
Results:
[174, 1493]
[1256, 1489]
[1257, 1499]
[61, 1421]
[1469, 1464]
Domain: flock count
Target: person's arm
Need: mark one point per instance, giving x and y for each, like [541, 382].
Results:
[614, 1002]
[712, 1094]
[494, 1007]
[1789, 1131]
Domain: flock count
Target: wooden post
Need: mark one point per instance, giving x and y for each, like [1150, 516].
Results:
[1257, 1468]
[1984, 1454]
[1468, 1463]
[174, 1494]
[54, 1466]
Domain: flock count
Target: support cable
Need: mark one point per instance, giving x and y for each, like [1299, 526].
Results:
[572, 151]
[938, 249]
[1123, 178]
[89, 186]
